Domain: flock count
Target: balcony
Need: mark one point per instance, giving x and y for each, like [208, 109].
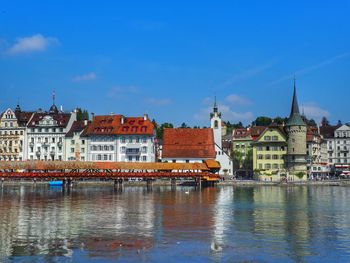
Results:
[52, 152]
[133, 151]
[345, 149]
[31, 144]
[38, 153]
[59, 144]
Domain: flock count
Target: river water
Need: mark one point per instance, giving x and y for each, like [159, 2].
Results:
[163, 224]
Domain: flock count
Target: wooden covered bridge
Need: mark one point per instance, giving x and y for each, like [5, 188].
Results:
[75, 170]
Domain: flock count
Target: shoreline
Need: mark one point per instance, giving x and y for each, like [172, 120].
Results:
[168, 183]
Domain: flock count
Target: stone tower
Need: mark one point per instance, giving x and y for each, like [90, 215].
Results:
[296, 151]
[215, 124]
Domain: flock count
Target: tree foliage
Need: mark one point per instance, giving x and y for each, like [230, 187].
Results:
[82, 114]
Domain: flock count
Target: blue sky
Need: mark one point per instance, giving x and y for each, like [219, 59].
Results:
[170, 59]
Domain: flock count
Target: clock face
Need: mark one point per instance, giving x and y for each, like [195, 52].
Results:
[8, 112]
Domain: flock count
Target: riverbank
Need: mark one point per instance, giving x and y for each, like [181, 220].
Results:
[168, 183]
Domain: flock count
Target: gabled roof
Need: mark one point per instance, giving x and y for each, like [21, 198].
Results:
[188, 143]
[23, 117]
[61, 118]
[119, 125]
[343, 128]
[280, 129]
[77, 126]
[327, 131]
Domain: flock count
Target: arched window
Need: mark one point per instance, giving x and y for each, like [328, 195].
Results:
[216, 124]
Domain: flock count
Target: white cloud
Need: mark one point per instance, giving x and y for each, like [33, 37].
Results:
[227, 114]
[313, 111]
[158, 102]
[35, 43]
[85, 77]
[238, 100]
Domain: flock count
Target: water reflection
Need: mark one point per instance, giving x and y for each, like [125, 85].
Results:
[249, 223]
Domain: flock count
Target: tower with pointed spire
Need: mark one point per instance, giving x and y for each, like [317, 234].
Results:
[216, 124]
[296, 151]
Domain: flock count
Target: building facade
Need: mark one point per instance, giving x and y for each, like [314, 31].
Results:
[269, 151]
[75, 143]
[13, 137]
[116, 138]
[46, 133]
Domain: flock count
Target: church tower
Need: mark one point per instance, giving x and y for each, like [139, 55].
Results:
[215, 124]
[296, 151]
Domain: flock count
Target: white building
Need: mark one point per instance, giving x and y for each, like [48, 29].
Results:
[46, 134]
[221, 156]
[338, 147]
[116, 138]
[13, 134]
[76, 144]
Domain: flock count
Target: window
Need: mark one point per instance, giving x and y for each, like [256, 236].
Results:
[72, 142]
[144, 159]
[138, 139]
[122, 140]
[267, 148]
[105, 157]
[130, 158]
[267, 156]
[275, 166]
[111, 148]
[260, 156]
[123, 149]
[216, 124]
[99, 157]
[137, 158]
[267, 166]
[72, 150]
[260, 148]
[82, 142]
[144, 140]
[275, 157]
[144, 149]
[82, 150]
[106, 148]
[267, 138]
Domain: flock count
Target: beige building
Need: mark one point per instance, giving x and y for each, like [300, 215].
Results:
[13, 134]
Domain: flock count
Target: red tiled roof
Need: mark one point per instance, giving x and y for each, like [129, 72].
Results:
[112, 125]
[188, 143]
[23, 117]
[252, 132]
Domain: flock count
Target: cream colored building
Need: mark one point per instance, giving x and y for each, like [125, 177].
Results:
[13, 134]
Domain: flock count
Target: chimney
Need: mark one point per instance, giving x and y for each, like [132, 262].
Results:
[92, 116]
[145, 117]
[122, 120]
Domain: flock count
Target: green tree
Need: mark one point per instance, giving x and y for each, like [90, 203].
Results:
[237, 159]
[184, 125]
[262, 121]
[82, 114]
[160, 129]
[248, 161]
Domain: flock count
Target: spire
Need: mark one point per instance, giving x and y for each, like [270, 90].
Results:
[18, 108]
[295, 107]
[295, 119]
[53, 97]
[215, 105]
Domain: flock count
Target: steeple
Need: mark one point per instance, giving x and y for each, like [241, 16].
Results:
[295, 119]
[18, 108]
[215, 105]
[295, 106]
[53, 108]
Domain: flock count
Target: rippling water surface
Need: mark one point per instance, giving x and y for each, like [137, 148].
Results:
[136, 224]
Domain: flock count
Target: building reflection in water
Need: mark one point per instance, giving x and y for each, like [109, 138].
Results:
[39, 220]
[265, 223]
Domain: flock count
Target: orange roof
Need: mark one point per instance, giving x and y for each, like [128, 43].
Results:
[119, 125]
[188, 143]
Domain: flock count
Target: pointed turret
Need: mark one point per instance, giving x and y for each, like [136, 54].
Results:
[295, 106]
[295, 118]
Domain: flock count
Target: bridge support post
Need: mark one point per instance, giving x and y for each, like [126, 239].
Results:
[149, 184]
[199, 182]
[173, 182]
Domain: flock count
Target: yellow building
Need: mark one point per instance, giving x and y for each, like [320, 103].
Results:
[269, 151]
